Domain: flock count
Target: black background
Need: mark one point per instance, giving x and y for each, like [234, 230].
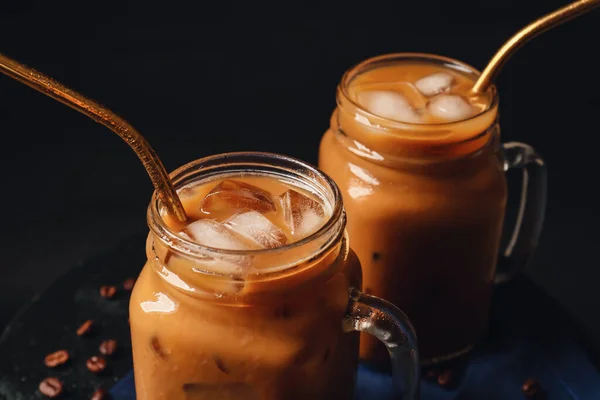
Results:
[199, 78]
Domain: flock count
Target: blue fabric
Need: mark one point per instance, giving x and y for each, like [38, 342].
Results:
[563, 370]
[531, 338]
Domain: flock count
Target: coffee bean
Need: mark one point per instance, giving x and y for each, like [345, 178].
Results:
[108, 292]
[100, 394]
[376, 256]
[446, 378]
[85, 328]
[157, 347]
[57, 358]
[532, 390]
[128, 284]
[51, 387]
[96, 364]
[108, 347]
[222, 367]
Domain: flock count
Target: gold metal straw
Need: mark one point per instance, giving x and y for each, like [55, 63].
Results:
[526, 34]
[48, 86]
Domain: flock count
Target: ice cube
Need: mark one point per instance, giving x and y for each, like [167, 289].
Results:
[185, 235]
[302, 214]
[256, 228]
[232, 195]
[450, 107]
[433, 84]
[186, 192]
[388, 104]
[213, 234]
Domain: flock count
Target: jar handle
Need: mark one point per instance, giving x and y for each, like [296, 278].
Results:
[389, 324]
[530, 218]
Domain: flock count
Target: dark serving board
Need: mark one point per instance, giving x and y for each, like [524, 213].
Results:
[529, 336]
[51, 320]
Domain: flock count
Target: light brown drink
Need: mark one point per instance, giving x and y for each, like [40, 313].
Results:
[251, 297]
[419, 166]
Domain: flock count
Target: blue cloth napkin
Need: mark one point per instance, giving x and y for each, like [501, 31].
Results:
[563, 371]
[530, 337]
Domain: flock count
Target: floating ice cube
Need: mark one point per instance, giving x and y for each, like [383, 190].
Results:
[186, 192]
[302, 214]
[257, 228]
[433, 84]
[185, 235]
[450, 107]
[213, 234]
[232, 195]
[388, 104]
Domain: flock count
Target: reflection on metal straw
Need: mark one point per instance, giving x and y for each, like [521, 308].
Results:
[158, 174]
[526, 34]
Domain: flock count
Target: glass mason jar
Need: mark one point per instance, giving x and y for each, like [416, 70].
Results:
[426, 205]
[286, 329]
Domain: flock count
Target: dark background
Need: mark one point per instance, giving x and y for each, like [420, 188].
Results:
[198, 79]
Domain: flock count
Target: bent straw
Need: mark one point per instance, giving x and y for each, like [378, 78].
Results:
[46, 85]
[532, 30]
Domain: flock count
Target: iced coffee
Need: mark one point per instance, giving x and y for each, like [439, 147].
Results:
[418, 160]
[246, 299]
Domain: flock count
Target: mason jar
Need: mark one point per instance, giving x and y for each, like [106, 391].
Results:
[426, 205]
[287, 328]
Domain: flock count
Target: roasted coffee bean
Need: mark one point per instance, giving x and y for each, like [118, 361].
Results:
[51, 387]
[220, 364]
[446, 378]
[376, 256]
[128, 284]
[108, 291]
[100, 394]
[96, 364]
[85, 328]
[532, 389]
[108, 347]
[57, 358]
[157, 347]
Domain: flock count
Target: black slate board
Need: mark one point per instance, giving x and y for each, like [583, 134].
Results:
[50, 321]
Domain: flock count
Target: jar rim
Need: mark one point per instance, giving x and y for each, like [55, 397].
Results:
[389, 59]
[248, 163]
